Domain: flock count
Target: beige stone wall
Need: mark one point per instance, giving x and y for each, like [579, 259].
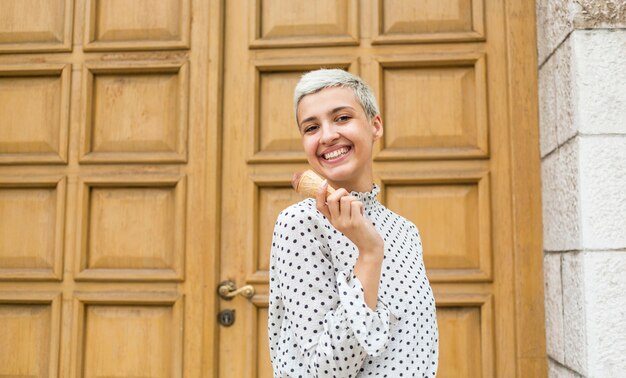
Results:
[556, 19]
[582, 98]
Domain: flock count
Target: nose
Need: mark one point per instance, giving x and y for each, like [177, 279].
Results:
[328, 133]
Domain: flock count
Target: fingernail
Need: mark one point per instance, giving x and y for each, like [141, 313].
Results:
[324, 183]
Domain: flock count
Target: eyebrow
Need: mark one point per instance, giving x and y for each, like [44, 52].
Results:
[335, 110]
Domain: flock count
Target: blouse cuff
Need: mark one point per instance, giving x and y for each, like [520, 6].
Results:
[371, 328]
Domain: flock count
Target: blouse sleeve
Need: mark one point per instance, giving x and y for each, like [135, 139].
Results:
[334, 328]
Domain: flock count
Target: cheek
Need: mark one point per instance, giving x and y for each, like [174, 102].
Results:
[365, 146]
[310, 147]
[310, 150]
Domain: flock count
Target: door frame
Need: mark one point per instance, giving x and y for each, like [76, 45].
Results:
[527, 231]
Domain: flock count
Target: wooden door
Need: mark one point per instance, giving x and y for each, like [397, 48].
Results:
[106, 180]
[456, 84]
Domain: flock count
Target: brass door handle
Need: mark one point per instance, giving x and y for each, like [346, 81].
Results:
[228, 290]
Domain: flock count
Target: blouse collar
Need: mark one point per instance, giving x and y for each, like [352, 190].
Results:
[368, 198]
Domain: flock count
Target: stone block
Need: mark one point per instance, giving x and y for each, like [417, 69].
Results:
[554, 23]
[557, 99]
[556, 370]
[605, 287]
[547, 107]
[600, 79]
[603, 191]
[557, 18]
[566, 102]
[561, 205]
[553, 293]
[574, 317]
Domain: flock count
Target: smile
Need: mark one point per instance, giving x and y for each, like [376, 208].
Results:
[336, 154]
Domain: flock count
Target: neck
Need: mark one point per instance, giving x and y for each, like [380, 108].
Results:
[364, 188]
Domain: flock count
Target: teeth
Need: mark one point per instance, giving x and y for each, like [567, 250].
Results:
[336, 153]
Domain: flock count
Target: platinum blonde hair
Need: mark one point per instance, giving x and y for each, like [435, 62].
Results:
[315, 81]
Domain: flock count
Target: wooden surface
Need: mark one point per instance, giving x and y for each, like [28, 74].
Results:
[528, 242]
[104, 188]
[144, 156]
[441, 73]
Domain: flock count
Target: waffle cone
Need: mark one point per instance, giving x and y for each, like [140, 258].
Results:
[307, 183]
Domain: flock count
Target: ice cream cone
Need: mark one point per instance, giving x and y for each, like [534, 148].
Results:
[307, 183]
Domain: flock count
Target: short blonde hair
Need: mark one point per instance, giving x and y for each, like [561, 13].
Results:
[314, 81]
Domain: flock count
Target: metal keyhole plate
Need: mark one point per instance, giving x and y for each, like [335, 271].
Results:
[226, 317]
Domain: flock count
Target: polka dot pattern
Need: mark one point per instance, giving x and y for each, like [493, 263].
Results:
[319, 324]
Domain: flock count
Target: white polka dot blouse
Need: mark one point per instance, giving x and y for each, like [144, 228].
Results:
[319, 324]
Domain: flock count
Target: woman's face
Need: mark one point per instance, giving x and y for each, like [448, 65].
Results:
[338, 138]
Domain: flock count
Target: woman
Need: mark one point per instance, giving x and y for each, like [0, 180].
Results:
[348, 290]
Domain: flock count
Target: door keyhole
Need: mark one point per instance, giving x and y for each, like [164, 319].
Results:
[226, 317]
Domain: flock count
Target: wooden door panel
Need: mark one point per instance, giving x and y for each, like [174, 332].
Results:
[137, 25]
[129, 335]
[32, 220]
[30, 334]
[434, 107]
[460, 346]
[453, 211]
[32, 25]
[135, 112]
[465, 335]
[132, 229]
[34, 103]
[280, 23]
[401, 21]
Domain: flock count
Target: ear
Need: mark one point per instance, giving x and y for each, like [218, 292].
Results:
[377, 127]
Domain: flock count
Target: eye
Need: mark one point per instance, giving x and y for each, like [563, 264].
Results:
[310, 128]
[343, 118]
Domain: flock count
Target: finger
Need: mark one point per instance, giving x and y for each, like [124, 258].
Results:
[356, 209]
[333, 202]
[337, 194]
[345, 206]
[320, 199]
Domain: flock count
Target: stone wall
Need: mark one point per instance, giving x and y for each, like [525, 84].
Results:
[582, 101]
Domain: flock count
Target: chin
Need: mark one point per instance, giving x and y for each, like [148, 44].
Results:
[338, 177]
[338, 174]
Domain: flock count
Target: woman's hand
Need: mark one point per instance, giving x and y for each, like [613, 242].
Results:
[345, 213]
